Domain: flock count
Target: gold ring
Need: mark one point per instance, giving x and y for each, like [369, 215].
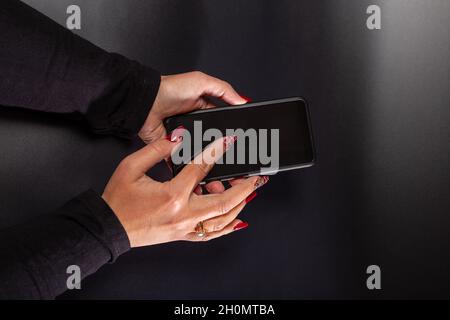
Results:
[200, 229]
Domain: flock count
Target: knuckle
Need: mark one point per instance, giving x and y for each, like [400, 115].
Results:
[226, 84]
[219, 226]
[198, 73]
[222, 207]
[175, 202]
[155, 148]
[203, 168]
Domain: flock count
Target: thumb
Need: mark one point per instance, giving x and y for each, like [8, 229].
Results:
[223, 90]
[139, 162]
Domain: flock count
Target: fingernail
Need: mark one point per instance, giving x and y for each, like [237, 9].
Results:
[240, 225]
[228, 141]
[262, 180]
[198, 189]
[176, 135]
[247, 99]
[251, 197]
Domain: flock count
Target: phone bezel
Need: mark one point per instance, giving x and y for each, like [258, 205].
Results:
[253, 105]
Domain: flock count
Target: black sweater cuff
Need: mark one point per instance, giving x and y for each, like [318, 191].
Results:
[35, 256]
[96, 217]
[127, 101]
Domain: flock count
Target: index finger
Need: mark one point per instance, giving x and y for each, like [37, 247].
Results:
[196, 170]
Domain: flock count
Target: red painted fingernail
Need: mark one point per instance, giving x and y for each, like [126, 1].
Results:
[246, 98]
[251, 197]
[262, 180]
[176, 135]
[228, 141]
[240, 225]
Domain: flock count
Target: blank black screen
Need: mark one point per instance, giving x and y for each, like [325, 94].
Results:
[289, 117]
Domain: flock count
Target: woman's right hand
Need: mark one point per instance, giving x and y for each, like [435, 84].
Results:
[153, 212]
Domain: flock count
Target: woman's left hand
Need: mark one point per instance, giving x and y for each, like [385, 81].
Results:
[182, 93]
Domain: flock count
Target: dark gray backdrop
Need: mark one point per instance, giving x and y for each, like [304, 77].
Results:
[380, 110]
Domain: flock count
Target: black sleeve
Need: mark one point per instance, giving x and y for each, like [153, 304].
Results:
[46, 67]
[35, 256]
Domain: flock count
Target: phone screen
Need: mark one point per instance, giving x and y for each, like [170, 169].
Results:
[271, 136]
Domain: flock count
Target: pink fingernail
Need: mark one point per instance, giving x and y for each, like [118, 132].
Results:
[176, 135]
[228, 141]
[262, 180]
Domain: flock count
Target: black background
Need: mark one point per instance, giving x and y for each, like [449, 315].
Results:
[378, 193]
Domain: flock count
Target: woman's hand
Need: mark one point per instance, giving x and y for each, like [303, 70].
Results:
[183, 93]
[153, 212]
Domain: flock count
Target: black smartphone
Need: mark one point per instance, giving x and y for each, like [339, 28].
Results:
[272, 136]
